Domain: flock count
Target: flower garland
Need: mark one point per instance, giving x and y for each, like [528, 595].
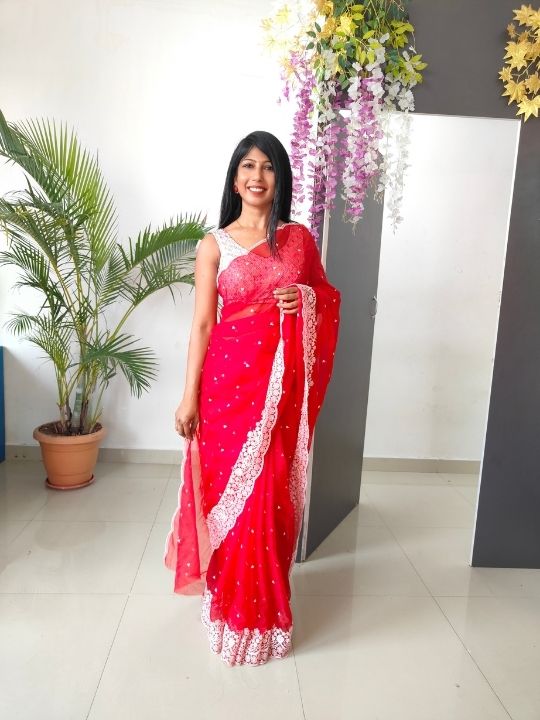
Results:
[352, 65]
[521, 73]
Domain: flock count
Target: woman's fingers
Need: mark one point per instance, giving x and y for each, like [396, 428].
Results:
[287, 299]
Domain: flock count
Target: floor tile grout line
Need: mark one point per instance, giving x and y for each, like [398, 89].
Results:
[469, 653]
[447, 620]
[298, 682]
[128, 596]
[107, 658]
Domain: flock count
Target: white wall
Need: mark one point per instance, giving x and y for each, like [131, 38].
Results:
[439, 291]
[164, 89]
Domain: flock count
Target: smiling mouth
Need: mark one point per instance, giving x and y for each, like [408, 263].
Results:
[256, 189]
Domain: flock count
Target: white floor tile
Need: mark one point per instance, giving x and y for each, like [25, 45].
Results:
[9, 530]
[513, 582]
[113, 497]
[460, 478]
[31, 469]
[153, 578]
[357, 560]
[370, 642]
[169, 501]
[382, 477]
[385, 659]
[73, 557]
[22, 492]
[469, 492]
[132, 470]
[441, 556]
[421, 506]
[161, 667]
[52, 651]
[503, 636]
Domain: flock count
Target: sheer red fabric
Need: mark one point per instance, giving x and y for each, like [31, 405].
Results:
[234, 534]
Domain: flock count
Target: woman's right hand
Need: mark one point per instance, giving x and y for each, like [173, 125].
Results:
[186, 418]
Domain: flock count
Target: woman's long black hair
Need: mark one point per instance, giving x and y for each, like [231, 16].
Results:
[231, 202]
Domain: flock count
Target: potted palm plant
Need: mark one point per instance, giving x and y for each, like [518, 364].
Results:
[61, 233]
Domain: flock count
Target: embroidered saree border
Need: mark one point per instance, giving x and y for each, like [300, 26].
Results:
[301, 456]
[251, 646]
[248, 646]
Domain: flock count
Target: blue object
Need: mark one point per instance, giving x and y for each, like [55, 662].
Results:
[2, 416]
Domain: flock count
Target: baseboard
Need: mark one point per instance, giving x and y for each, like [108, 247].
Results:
[169, 457]
[125, 455]
[421, 465]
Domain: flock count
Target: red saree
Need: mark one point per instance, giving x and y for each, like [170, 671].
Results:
[234, 535]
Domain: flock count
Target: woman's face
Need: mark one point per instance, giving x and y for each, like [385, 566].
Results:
[255, 179]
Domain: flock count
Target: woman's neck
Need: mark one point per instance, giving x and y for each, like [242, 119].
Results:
[253, 219]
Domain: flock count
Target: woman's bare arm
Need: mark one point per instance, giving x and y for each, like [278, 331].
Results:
[204, 319]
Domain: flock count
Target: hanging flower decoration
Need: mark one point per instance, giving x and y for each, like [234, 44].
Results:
[351, 66]
[521, 72]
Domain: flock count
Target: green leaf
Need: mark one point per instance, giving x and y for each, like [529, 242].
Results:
[138, 364]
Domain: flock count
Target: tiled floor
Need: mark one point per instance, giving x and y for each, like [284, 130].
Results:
[391, 623]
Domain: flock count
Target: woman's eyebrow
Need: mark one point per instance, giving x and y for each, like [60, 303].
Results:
[253, 160]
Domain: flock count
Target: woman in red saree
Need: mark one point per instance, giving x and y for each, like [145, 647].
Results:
[255, 383]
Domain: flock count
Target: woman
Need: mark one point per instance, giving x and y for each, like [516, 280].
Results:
[254, 386]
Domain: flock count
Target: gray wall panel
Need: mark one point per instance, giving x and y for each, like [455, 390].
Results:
[463, 43]
[352, 264]
[462, 79]
[508, 523]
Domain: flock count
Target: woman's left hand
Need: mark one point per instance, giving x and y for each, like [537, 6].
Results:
[287, 299]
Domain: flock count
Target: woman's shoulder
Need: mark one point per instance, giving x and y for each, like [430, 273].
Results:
[297, 227]
[302, 231]
[209, 242]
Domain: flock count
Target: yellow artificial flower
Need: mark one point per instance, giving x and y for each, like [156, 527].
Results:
[533, 83]
[522, 15]
[515, 91]
[288, 69]
[505, 74]
[266, 24]
[511, 30]
[328, 28]
[283, 15]
[347, 25]
[529, 107]
[271, 42]
[534, 19]
[516, 53]
[324, 7]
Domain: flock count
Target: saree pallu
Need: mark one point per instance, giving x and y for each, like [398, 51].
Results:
[235, 532]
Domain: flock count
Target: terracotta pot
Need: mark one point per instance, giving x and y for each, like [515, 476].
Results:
[69, 459]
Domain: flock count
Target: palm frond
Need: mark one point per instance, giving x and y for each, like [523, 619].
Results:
[138, 364]
[110, 281]
[81, 174]
[172, 241]
[67, 173]
[54, 339]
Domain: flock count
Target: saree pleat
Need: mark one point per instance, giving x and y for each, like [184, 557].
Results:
[243, 482]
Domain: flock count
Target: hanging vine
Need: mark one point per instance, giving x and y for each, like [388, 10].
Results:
[349, 66]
